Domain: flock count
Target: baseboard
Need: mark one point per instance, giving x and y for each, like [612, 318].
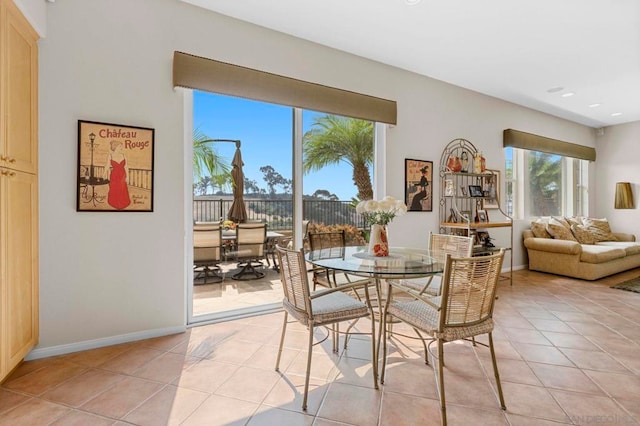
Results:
[99, 343]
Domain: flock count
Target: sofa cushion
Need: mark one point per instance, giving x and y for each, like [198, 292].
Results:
[599, 228]
[559, 229]
[583, 234]
[629, 247]
[539, 228]
[600, 253]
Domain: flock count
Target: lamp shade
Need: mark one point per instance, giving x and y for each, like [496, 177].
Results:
[624, 196]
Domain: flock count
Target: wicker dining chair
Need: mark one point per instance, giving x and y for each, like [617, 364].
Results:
[319, 308]
[322, 241]
[439, 246]
[463, 311]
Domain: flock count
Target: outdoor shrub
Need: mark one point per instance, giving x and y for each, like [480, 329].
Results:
[353, 236]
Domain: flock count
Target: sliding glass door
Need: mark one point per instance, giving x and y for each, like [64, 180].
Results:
[334, 157]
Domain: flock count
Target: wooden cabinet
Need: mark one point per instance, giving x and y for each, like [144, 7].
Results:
[18, 91]
[19, 307]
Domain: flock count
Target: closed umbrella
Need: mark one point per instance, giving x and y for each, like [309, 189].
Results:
[238, 211]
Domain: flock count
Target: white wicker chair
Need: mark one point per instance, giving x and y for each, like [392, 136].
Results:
[319, 308]
[464, 310]
[439, 246]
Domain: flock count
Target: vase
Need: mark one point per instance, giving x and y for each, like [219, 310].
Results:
[378, 242]
[454, 164]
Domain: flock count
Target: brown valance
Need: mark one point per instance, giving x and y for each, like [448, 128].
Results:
[195, 72]
[523, 140]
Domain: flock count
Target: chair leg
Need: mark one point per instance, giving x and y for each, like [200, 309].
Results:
[374, 355]
[424, 346]
[495, 372]
[284, 329]
[443, 406]
[346, 333]
[384, 346]
[306, 379]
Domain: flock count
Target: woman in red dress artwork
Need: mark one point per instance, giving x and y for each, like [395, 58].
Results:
[118, 197]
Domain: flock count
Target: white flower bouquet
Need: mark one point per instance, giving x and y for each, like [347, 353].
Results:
[381, 212]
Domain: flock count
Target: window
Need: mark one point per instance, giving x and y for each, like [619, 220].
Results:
[542, 184]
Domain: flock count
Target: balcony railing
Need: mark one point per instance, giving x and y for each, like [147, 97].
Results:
[278, 214]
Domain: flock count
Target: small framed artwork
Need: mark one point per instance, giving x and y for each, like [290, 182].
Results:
[418, 189]
[453, 217]
[492, 189]
[115, 168]
[483, 217]
[475, 191]
[449, 189]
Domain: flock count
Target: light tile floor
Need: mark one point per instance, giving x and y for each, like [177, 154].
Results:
[568, 353]
[235, 294]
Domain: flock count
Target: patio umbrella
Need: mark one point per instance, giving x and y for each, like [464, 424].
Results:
[238, 211]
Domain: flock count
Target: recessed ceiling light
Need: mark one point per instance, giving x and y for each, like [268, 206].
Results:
[596, 105]
[555, 89]
[568, 94]
[615, 114]
[412, 2]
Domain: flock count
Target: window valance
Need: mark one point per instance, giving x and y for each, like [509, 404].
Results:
[195, 72]
[523, 140]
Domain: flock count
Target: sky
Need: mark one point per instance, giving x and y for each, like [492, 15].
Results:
[265, 131]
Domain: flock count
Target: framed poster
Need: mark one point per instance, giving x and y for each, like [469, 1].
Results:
[418, 189]
[492, 190]
[115, 168]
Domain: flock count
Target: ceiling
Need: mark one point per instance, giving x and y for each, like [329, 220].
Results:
[529, 52]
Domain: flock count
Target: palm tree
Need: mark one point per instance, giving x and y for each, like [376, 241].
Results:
[333, 139]
[545, 174]
[207, 161]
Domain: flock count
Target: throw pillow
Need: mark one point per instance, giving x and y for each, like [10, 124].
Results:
[539, 229]
[599, 228]
[559, 229]
[576, 220]
[583, 234]
[562, 221]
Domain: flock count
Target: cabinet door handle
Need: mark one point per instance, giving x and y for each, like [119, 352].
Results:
[10, 160]
[8, 173]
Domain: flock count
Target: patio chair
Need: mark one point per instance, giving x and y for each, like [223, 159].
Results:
[464, 310]
[207, 252]
[320, 308]
[249, 250]
[439, 245]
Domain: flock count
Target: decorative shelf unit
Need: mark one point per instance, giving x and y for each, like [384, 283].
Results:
[465, 196]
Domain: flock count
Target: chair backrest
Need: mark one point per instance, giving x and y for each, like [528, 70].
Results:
[324, 240]
[457, 246]
[207, 242]
[468, 289]
[295, 281]
[251, 239]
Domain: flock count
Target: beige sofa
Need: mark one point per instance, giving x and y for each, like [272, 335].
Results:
[583, 261]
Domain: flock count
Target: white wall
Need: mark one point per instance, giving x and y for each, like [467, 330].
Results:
[36, 13]
[617, 161]
[107, 274]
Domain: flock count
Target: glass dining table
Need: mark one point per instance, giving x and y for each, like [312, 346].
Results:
[402, 262]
